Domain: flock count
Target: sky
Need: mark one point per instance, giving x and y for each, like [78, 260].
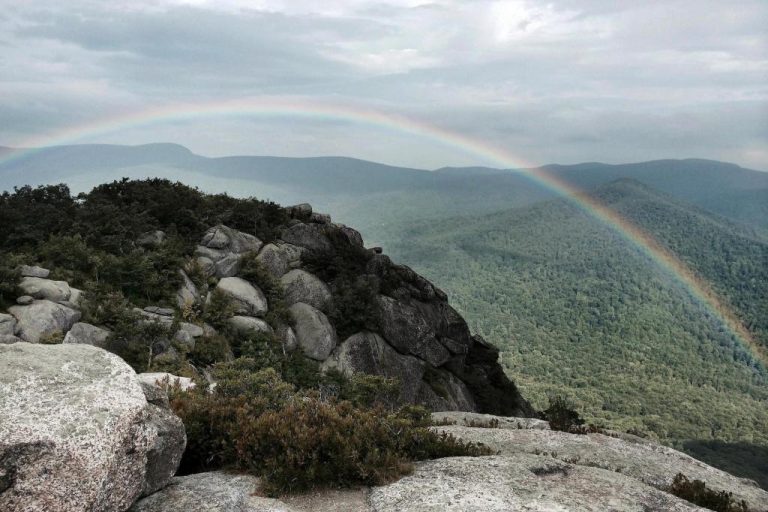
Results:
[562, 81]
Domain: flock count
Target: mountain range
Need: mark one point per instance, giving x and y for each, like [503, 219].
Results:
[575, 309]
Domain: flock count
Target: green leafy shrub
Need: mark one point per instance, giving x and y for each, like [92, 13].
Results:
[696, 492]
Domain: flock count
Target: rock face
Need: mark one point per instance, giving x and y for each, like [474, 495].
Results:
[248, 299]
[525, 482]
[645, 462]
[76, 432]
[187, 295]
[301, 286]
[368, 353]
[87, 334]
[43, 318]
[315, 334]
[279, 258]
[210, 492]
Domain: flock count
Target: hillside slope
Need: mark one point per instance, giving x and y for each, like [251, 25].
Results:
[579, 311]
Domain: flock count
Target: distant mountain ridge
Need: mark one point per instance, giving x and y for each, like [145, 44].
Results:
[364, 193]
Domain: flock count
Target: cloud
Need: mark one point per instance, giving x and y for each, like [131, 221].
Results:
[563, 80]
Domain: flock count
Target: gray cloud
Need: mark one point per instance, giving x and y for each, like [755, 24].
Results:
[562, 81]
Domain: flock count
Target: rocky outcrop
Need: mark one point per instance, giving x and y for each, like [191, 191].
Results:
[76, 431]
[151, 239]
[645, 462]
[314, 333]
[188, 294]
[279, 258]
[211, 492]
[87, 334]
[309, 236]
[43, 318]
[368, 353]
[246, 298]
[525, 482]
[222, 248]
[301, 286]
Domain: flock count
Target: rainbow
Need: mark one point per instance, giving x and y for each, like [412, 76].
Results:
[299, 108]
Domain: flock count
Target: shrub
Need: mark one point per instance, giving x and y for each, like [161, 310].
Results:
[255, 421]
[561, 415]
[218, 310]
[252, 270]
[209, 350]
[696, 492]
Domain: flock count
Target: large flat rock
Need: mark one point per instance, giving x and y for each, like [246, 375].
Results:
[76, 432]
[525, 482]
[645, 462]
[210, 492]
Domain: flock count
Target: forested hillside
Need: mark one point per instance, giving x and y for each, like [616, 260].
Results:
[582, 313]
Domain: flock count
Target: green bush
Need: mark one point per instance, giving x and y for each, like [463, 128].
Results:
[696, 492]
[561, 415]
[252, 270]
[255, 421]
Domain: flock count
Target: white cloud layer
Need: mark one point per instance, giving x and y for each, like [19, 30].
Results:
[557, 81]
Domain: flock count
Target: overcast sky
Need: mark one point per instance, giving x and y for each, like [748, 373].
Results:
[561, 81]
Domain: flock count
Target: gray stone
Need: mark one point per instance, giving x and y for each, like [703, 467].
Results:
[247, 298]
[151, 239]
[225, 238]
[87, 334]
[248, 325]
[187, 295]
[528, 483]
[75, 296]
[25, 300]
[184, 339]
[7, 339]
[75, 429]
[33, 271]
[7, 324]
[308, 236]
[275, 259]
[207, 265]
[221, 249]
[43, 318]
[320, 218]
[441, 390]
[315, 334]
[194, 330]
[148, 316]
[406, 328]
[648, 463]
[210, 492]
[163, 380]
[287, 336]
[40, 288]
[159, 311]
[300, 211]
[352, 235]
[164, 454]
[474, 419]
[301, 286]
